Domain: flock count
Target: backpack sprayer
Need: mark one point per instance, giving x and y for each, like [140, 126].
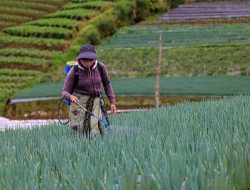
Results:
[68, 66]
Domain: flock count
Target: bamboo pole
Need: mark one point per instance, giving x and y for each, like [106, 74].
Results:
[158, 73]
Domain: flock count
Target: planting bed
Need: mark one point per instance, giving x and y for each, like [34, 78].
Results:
[206, 10]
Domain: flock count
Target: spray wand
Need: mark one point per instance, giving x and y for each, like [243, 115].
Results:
[105, 123]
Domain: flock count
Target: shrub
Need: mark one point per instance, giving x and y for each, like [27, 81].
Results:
[123, 12]
[157, 6]
[106, 26]
[92, 36]
[142, 10]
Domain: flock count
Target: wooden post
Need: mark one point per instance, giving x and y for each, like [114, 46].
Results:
[134, 9]
[158, 73]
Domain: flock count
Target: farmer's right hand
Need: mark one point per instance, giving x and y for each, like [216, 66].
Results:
[74, 99]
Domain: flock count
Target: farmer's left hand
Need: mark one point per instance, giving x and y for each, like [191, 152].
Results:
[113, 108]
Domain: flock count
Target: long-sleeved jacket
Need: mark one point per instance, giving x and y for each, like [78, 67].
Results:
[89, 82]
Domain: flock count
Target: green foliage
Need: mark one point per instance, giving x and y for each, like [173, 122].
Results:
[14, 80]
[21, 11]
[26, 62]
[106, 26]
[175, 3]
[28, 52]
[129, 12]
[29, 4]
[157, 6]
[55, 22]
[179, 35]
[191, 146]
[123, 12]
[46, 43]
[197, 51]
[39, 32]
[96, 5]
[77, 14]
[191, 61]
[14, 18]
[141, 9]
[92, 36]
[17, 73]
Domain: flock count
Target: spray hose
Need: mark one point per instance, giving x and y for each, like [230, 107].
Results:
[105, 123]
[58, 112]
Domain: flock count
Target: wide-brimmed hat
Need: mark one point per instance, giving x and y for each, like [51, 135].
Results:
[87, 52]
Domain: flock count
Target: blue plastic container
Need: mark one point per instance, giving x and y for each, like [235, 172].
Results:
[68, 66]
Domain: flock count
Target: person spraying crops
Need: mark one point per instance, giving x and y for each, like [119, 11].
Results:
[82, 87]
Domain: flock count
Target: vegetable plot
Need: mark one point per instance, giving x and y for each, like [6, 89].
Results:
[189, 146]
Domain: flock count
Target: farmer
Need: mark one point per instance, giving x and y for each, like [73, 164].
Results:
[87, 92]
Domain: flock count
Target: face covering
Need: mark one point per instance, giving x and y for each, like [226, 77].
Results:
[86, 63]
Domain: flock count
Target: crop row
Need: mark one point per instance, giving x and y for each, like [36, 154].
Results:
[172, 36]
[96, 5]
[10, 88]
[30, 5]
[14, 80]
[83, 1]
[39, 32]
[46, 43]
[28, 52]
[21, 11]
[190, 146]
[8, 79]
[76, 14]
[55, 22]
[4, 24]
[23, 60]
[14, 18]
[30, 63]
[45, 2]
[15, 84]
[17, 73]
[181, 28]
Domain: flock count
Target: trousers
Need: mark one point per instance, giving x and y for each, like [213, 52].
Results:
[82, 122]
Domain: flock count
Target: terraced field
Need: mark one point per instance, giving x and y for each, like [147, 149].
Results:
[203, 12]
[188, 50]
[16, 12]
[14, 80]
[180, 36]
[35, 34]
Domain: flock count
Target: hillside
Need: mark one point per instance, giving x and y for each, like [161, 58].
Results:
[200, 47]
[38, 37]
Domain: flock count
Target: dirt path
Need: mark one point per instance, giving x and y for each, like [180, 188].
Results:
[6, 123]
